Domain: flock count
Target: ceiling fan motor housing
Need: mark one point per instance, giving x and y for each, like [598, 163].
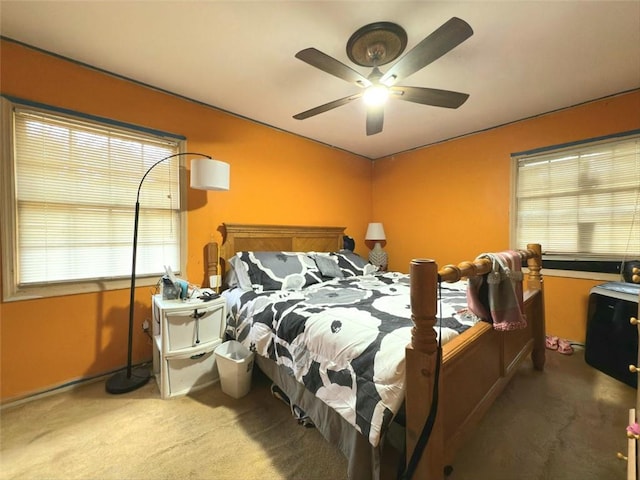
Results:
[376, 44]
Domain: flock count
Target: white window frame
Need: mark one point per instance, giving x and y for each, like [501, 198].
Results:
[11, 289]
[579, 149]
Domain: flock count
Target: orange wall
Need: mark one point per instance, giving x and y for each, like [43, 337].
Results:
[275, 178]
[423, 196]
[45, 343]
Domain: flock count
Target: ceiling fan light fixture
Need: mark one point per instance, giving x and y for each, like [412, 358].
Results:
[375, 95]
[390, 81]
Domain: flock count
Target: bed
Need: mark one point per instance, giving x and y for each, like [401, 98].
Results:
[475, 365]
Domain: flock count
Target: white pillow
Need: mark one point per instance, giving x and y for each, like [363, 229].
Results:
[238, 276]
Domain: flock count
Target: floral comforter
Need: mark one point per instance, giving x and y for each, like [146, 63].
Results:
[344, 339]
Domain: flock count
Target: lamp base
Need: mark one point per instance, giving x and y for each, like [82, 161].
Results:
[121, 383]
[378, 257]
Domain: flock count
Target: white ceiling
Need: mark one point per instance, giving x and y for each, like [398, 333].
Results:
[525, 58]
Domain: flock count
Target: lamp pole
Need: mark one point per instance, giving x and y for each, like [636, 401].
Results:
[128, 380]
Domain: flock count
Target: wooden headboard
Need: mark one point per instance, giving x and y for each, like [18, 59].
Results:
[239, 237]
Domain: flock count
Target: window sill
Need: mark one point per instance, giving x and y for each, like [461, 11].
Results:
[61, 290]
[606, 277]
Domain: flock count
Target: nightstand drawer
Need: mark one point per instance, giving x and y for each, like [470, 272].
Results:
[190, 371]
[194, 327]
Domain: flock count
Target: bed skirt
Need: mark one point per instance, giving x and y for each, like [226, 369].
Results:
[363, 459]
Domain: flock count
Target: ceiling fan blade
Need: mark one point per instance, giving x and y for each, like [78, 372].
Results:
[332, 66]
[375, 119]
[450, 34]
[326, 107]
[429, 96]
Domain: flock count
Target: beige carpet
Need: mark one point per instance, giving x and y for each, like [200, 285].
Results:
[567, 423]
[88, 434]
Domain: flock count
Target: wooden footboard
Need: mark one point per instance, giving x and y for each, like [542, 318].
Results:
[475, 367]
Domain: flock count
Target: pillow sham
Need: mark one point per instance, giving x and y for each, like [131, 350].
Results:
[280, 270]
[237, 274]
[353, 264]
[328, 265]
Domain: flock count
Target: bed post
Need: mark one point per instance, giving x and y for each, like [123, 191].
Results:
[534, 282]
[211, 250]
[421, 360]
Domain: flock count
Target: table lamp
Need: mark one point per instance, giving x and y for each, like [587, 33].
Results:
[377, 256]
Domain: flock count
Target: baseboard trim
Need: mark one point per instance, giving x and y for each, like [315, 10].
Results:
[63, 387]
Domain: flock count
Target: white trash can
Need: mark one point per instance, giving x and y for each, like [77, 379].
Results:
[235, 365]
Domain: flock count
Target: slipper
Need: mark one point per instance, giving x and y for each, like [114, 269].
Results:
[551, 342]
[564, 347]
[303, 418]
[279, 394]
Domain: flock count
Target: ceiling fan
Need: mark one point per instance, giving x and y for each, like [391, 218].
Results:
[380, 43]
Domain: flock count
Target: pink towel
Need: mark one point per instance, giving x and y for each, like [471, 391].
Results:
[503, 292]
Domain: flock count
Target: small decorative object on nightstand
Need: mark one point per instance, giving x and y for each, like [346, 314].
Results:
[377, 256]
[185, 336]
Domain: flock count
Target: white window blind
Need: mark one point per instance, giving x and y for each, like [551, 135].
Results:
[581, 202]
[76, 184]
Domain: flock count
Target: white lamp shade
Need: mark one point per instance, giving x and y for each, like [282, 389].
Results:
[375, 231]
[208, 174]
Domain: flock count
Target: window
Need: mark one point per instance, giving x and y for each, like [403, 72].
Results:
[581, 203]
[69, 194]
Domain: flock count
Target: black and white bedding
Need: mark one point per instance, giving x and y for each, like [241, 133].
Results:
[344, 338]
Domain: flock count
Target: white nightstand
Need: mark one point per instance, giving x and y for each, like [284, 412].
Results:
[185, 335]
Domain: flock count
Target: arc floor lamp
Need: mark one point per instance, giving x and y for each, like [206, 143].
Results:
[206, 174]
